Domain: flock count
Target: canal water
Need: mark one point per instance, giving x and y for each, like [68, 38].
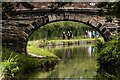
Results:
[75, 62]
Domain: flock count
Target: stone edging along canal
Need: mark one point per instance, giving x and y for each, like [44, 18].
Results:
[69, 42]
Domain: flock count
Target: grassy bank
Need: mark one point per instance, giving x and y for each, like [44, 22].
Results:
[33, 48]
[45, 42]
[14, 64]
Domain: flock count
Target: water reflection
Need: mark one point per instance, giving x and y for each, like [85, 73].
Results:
[70, 52]
[90, 50]
[76, 62]
[54, 46]
[62, 44]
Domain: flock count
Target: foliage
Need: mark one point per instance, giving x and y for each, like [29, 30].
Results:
[99, 45]
[15, 64]
[54, 30]
[100, 12]
[109, 19]
[9, 67]
[112, 8]
[108, 59]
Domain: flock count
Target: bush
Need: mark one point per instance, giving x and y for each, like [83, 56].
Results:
[15, 64]
[108, 59]
[9, 67]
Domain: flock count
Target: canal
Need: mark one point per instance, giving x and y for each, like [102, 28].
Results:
[75, 62]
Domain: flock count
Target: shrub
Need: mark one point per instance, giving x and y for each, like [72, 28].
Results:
[9, 67]
[108, 59]
[15, 64]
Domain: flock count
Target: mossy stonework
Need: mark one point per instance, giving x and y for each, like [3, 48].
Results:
[17, 29]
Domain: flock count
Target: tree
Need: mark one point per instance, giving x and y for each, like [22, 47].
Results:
[112, 8]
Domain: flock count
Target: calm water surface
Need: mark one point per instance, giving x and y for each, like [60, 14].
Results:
[76, 62]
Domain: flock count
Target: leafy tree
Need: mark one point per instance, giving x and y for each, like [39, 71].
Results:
[112, 8]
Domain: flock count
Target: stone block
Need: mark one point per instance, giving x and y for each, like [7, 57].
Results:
[59, 16]
[39, 22]
[72, 16]
[107, 33]
[52, 17]
[31, 27]
[66, 16]
[46, 19]
[24, 34]
[98, 25]
[103, 30]
[93, 22]
[27, 30]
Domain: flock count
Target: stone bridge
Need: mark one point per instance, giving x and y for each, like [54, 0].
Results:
[17, 29]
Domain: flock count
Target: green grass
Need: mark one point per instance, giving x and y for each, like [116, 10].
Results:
[39, 52]
[16, 65]
[33, 48]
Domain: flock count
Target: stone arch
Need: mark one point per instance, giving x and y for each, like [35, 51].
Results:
[65, 17]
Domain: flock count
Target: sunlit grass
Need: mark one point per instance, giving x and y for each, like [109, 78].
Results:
[33, 48]
[18, 65]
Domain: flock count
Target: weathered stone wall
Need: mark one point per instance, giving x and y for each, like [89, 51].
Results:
[17, 29]
[12, 35]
